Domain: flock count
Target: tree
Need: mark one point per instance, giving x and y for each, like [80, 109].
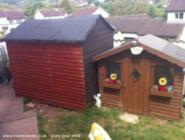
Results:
[157, 11]
[109, 6]
[32, 6]
[126, 7]
[68, 7]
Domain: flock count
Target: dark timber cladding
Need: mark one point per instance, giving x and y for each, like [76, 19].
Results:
[50, 59]
[138, 91]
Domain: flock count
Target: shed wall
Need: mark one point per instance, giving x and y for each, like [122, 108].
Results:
[99, 40]
[169, 108]
[52, 73]
[113, 100]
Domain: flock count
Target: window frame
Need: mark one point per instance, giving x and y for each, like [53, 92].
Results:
[108, 71]
[179, 15]
[170, 73]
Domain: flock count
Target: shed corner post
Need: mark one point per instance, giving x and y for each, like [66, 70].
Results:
[183, 92]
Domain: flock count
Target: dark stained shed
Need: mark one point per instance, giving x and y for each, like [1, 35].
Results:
[154, 45]
[176, 5]
[57, 30]
[50, 60]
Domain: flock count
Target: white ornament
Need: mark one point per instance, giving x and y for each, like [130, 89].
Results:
[98, 100]
[136, 50]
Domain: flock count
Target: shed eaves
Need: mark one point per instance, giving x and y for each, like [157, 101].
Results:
[69, 30]
[163, 47]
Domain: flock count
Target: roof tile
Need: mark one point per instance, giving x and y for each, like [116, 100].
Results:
[176, 5]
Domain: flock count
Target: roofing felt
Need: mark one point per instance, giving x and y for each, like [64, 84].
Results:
[176, 5]
[153, 45]
[68, 30]
[52, 12]
[142, 25]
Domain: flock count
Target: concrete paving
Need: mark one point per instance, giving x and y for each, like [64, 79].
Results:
[129, 118]
[15, 124]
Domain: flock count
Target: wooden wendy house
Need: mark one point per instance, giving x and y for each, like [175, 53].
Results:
[50, 60]
[143, 77]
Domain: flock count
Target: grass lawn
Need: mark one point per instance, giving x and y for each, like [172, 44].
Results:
[71, 122]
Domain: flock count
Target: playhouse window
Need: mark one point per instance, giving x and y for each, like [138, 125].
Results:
[164, 78]
[114, 68]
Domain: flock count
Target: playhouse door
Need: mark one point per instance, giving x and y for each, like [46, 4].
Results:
[136, 75]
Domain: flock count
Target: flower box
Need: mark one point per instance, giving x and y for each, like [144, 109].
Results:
[161, 93]
[112, 85]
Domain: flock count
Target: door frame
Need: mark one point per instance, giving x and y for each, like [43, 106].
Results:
[126, 65]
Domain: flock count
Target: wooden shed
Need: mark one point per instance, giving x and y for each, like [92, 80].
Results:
[143, 77]
[50, 60]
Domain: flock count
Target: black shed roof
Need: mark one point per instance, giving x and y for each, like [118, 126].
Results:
[70, 30]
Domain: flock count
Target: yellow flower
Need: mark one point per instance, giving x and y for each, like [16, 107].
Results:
[113, 76]
[163, 81]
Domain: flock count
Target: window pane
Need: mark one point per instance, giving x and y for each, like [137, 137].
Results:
[164, 71]
[176, 15]
[136, 74]
[114, 68]
[181, 15]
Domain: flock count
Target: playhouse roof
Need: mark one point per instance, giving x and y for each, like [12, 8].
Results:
[154, 45]
[70, 30]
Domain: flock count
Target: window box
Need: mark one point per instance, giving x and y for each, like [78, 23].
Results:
[161, 93]
[111, 85]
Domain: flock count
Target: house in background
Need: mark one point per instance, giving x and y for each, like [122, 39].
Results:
[176, 11]
[131, 27]
[50, 14]
[86, 11]
[10, 20]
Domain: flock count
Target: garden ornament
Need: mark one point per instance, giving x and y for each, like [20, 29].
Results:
[98, 100]
[98, 133]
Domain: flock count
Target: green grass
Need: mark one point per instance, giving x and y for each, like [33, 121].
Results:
[71, 122]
